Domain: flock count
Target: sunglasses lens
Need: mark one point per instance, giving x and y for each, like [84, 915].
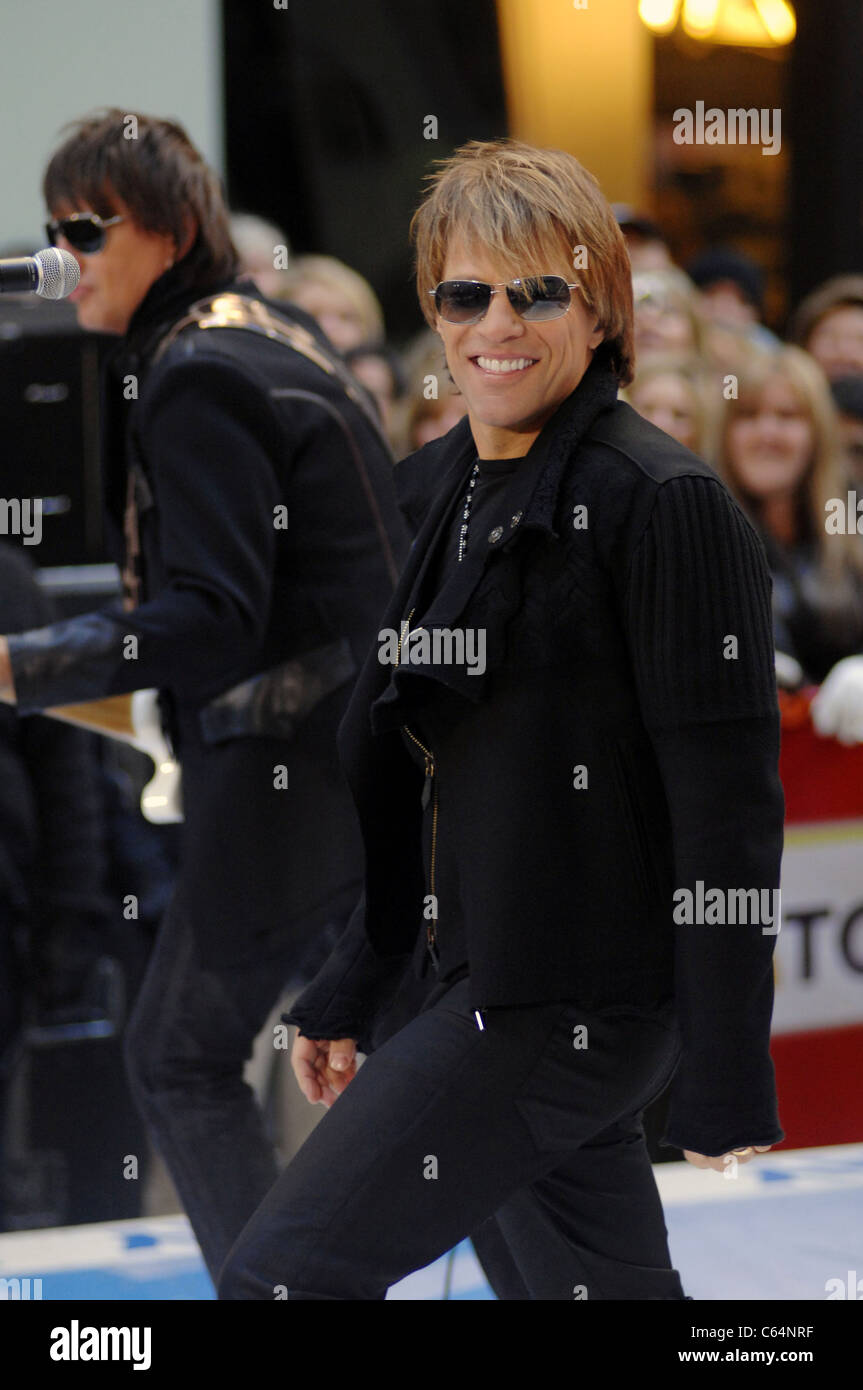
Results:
[83, 234]
[459, 301]
[545, 298]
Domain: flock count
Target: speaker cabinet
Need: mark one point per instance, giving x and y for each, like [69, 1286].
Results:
[50, 484]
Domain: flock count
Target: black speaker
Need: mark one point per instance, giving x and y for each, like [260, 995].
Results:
[50, 484]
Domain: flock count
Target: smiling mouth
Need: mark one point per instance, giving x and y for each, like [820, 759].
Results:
[503, 366]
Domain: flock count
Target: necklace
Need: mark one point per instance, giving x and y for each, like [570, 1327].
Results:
[465, 516]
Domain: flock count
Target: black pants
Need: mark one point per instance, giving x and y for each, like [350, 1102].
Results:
[191, 1032]
[525, 1132]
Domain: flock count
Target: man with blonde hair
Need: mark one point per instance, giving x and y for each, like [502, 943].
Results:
[517, 968]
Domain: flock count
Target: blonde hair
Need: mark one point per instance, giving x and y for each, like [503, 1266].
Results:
[335, 275]
[691, 372]
[425, 363]
[523, 204]
[823, 479]
[671, 289]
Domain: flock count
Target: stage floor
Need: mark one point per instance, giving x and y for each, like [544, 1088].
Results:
[785, 1226]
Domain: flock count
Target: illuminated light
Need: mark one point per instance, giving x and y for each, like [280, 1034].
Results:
[751, 23]
[659, 15]
[778, 18]
[699, 17]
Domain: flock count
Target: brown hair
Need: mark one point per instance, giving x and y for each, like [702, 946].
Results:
[522, 203]
[836, 293]
[157, 173]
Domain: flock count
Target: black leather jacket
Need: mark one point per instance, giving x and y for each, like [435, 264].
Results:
[269, 535]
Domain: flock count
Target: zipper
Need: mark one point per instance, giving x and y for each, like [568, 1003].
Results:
[429, 794]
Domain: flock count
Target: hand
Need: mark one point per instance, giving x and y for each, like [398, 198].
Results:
[838, 707]
[323, 1069]
[7, 683]
[720, 1163]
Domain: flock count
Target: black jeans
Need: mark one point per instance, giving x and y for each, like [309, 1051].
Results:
[186, 1044]
[525, 1132]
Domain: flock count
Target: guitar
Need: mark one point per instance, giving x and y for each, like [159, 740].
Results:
[134, 719]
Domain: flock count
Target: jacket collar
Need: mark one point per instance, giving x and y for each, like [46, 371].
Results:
[528, 502]
[166, 300]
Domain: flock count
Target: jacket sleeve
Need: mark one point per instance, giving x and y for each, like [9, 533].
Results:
[351, 993]
[208, 441]
[697, 610]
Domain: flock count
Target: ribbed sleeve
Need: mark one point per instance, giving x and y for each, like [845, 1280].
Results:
[352, 989]
[698, 609]
[699, 578]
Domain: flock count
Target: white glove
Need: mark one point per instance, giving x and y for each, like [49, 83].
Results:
[789, 673]
[837, 709]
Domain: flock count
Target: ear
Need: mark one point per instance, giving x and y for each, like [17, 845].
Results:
[597, 336]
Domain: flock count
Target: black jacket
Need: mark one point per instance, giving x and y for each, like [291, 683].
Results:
[269, 533]
[608, 651]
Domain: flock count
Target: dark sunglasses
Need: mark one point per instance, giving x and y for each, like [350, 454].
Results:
[537, 299]
[84, 231]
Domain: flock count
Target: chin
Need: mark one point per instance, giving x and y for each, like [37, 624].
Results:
[88, 316]
[94, 322]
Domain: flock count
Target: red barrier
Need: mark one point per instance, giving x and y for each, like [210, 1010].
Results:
[820, 950]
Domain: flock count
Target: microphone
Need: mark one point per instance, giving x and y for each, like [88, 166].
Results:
[52, 273]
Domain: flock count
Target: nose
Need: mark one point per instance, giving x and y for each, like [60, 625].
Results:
[770, 428]
[501, 320]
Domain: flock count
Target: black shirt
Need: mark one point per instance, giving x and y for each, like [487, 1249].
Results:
[494, 474]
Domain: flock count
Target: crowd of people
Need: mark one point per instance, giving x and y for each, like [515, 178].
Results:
[780, 421]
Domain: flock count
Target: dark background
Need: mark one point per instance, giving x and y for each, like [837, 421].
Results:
[325, 120]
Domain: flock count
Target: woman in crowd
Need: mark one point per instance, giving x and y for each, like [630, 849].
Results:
[432, 403]
[342, 301]
[667, 317]
[778, 451]
[673, 394]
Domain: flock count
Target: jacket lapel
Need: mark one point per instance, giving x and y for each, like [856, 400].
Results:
[527, 503]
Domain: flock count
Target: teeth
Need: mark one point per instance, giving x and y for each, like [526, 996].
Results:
[504, 364]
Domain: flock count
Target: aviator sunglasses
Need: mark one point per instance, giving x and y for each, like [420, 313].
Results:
[84, 231]
[537, 299]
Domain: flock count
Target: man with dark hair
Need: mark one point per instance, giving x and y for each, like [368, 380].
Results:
[248, 473]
